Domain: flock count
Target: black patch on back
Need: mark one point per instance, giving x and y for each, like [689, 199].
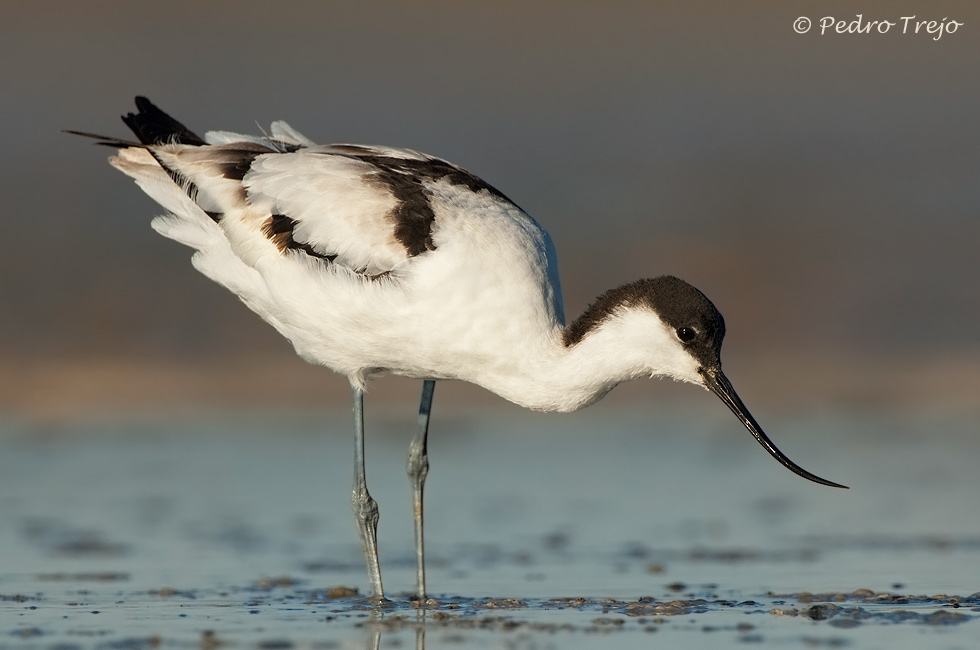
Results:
[404, 177]
[235, 170]
[234, 161]
[433, 169]
[412, 214]
[677, 303]
[153, 126]
[279, 229]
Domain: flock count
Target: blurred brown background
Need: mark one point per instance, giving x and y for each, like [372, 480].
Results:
[822, 190]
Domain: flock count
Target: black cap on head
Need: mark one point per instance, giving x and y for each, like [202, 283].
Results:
[687, 311]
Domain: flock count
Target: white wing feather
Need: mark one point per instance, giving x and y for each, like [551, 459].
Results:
[340, 207]
[188, 224]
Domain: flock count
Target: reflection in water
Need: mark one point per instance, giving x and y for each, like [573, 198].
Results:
[420, 630]
[377, 624]
[373, 638]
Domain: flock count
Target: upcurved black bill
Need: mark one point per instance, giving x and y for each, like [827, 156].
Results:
[718, 384]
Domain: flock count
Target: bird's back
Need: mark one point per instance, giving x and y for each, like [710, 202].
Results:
[367, 258]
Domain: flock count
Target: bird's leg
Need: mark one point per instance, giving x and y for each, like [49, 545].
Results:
[418, 467]
[365, 508]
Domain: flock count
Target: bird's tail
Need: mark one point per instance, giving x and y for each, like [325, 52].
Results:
[151, 126]
[149, 162]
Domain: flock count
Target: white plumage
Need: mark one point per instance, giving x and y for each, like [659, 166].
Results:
[447, 304]
[374, 260]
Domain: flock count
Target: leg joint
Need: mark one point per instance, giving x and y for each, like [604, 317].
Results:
[365, 508]
[417, 466]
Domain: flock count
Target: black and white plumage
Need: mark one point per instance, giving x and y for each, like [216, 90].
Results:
[375, 260]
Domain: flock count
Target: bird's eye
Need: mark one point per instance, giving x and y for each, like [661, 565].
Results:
[686, 334]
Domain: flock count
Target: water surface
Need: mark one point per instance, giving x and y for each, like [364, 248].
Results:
[543, 531]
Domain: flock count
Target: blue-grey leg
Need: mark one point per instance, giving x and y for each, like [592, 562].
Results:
[365, 508]
[418, 468]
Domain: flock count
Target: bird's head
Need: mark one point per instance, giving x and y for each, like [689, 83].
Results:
[675, 331]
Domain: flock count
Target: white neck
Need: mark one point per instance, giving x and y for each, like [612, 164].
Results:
[629, 344]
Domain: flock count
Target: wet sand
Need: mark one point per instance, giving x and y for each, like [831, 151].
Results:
[593, 530]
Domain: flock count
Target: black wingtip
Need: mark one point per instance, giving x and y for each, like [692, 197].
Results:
[153, 126]
[105, 140]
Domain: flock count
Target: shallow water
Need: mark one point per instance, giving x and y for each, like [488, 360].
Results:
[592, 530]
